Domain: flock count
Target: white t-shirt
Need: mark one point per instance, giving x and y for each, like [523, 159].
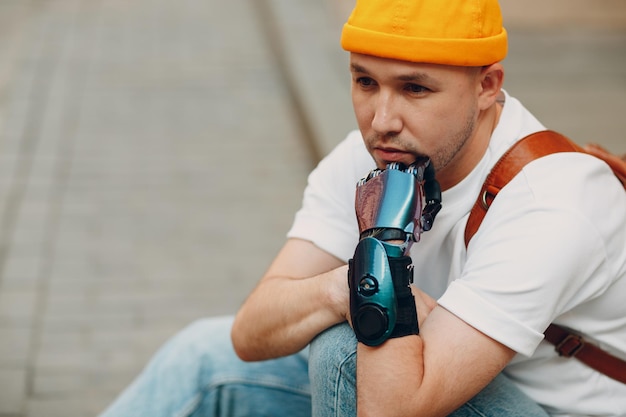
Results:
[552, 248]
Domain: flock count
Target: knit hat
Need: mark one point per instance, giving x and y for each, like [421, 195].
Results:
[451, 32]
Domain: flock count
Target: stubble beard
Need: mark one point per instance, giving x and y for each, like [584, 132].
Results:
[447, 153]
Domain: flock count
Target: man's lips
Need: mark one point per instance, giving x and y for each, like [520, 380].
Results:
[393, 155]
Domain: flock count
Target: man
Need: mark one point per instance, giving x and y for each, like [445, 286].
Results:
[426, 82]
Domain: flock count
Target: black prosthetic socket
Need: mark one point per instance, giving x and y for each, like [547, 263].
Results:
[406, 313]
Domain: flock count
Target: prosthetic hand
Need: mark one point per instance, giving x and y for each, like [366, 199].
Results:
[393, 206]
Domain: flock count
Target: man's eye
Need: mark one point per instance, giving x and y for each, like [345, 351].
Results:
[365, 81]
[416, 88]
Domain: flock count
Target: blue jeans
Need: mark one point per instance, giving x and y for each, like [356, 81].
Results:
[198, 374]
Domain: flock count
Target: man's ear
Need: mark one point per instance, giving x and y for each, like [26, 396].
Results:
[491, 78]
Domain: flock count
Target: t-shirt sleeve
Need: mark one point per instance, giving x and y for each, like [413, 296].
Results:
[327, 217]
[535, 252]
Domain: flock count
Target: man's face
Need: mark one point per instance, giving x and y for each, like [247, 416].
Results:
[407, 110]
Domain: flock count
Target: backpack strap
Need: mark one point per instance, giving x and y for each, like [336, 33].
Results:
[534, 146]
[617, 163]
[569, 344]
[531, 147]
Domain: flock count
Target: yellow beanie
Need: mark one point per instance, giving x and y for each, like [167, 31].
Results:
[450, 32]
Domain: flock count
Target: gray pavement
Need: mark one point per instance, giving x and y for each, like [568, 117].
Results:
[152, 154]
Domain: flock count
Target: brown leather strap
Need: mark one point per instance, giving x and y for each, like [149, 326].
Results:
[569, 344]
[617, 163]
[510, 164]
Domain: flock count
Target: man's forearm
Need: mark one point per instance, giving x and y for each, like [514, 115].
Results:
[283, 314]
[389, 376]
[427, 375]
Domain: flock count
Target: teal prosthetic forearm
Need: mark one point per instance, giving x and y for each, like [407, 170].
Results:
[393, 206]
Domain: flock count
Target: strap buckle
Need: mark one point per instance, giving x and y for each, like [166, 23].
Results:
[570, 346]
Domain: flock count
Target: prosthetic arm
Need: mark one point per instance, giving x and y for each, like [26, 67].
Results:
[393, 206]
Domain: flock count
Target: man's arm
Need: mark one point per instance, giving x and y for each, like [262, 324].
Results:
[427, 375]
[304, 291]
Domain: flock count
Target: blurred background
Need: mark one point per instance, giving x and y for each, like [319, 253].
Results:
[153, 153]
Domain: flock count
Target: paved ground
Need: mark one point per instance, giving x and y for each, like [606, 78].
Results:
[152, 154]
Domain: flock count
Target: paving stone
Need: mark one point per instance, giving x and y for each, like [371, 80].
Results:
[13, 391]
[16, 339]
[57, 407]
[17, 305]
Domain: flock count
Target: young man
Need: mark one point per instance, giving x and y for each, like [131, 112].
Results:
[426, 82]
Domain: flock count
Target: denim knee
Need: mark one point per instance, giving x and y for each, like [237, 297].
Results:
[204, 342]
[334, 348]
[332, 371]
[171, 384]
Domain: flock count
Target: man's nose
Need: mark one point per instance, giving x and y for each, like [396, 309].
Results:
[387, 119]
